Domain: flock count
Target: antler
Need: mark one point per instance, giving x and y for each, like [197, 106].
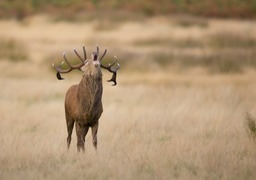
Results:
[62, 71]
[113, 67]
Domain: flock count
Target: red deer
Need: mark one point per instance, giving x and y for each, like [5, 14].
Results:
[83, 105]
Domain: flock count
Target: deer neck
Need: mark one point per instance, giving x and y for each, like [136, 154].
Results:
[90, 91]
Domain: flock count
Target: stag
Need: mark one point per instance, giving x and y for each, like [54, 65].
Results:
[83, 102]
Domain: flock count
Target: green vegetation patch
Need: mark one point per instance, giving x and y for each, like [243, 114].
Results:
[13, 50]
[232, 40]
[67, 8]
[218, 62]
[250, 125]
[181, 43]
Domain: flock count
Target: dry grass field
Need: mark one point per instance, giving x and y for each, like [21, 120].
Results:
[178, 111]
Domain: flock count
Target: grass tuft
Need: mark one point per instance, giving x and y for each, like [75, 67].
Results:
[181, 43]
[13, 50]
[189, 21]
[250, 124]
[232, 40]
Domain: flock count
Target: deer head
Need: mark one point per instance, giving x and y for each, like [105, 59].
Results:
[94, 63]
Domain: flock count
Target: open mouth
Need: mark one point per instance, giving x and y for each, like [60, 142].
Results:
[95, 57]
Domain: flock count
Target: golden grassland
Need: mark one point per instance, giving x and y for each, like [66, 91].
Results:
[165, 119]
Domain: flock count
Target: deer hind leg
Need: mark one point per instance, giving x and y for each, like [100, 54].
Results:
[70, 125]
[81, 132]
[94, 134]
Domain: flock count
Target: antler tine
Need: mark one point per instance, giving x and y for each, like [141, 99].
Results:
[85, 56]
[113, 70]
[64, 56]
[97, 50]
[57, 67]
[102, 56]
[118, 65]
[112, 64]
[80, 58]
[62, 71]
[59, 70]
[76, 66]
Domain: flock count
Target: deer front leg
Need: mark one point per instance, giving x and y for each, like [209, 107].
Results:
[81, 132]
[70, 124]
[94, 134]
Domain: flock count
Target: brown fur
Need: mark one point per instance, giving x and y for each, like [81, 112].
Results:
[83, 105]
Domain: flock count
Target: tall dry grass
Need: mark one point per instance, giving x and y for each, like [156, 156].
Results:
[157, 132]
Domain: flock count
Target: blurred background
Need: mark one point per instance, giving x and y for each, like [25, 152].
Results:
[166, 35]
[186, 81]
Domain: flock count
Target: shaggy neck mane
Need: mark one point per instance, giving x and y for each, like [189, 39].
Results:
[90, 91]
